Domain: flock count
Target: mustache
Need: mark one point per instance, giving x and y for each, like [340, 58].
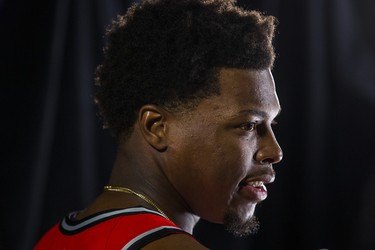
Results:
[263, 170]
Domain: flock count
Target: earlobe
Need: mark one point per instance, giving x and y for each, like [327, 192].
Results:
[152, 125]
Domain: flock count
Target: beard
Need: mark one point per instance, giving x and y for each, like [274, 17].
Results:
[239, 227]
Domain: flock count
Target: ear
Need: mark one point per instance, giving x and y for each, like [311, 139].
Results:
[153, 126]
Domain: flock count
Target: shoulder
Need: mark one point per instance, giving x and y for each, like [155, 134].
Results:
[147, 229]
[175, 241]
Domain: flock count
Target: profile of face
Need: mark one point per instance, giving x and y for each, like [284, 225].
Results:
[220, 155]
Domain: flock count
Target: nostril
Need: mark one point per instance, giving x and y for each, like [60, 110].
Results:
[268, 161]
[265, 162]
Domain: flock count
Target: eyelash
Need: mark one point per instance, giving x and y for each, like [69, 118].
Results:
[251, 126]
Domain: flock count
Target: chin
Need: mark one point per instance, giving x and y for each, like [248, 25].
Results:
[242, 212]
[241, 222]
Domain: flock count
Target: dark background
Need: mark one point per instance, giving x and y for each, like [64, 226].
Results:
[55, 158]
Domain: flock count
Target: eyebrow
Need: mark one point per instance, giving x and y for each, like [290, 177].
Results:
[257, 112]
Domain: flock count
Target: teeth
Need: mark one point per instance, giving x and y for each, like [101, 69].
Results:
[258, 184]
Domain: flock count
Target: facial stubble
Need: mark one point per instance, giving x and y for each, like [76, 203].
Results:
[239, 227]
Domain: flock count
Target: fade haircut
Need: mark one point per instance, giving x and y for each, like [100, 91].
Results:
[168, 53]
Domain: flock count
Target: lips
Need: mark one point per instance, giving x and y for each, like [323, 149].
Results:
[258, 184]
[254, 189]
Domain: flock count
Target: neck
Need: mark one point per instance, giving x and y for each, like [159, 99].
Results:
[142, 171]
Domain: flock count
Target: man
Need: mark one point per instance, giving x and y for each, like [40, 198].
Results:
[186, 88]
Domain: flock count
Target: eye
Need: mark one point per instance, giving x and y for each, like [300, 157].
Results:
[249, 126]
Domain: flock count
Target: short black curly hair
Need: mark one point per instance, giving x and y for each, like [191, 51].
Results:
[168, 52]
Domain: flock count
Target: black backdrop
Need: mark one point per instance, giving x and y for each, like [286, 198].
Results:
[55, 157]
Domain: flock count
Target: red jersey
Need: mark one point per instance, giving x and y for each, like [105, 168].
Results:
[129, 228]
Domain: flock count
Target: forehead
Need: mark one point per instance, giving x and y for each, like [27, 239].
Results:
[242, 90]
[247, 85]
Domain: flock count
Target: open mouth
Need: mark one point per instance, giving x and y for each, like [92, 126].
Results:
[258, 185]
[254, 190]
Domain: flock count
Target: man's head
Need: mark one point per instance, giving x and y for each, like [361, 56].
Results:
[169, 53]
[194, 75]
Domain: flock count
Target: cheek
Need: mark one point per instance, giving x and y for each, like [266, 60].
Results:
[248, 148]
[227, 165]
[236, 154]
[220, 174]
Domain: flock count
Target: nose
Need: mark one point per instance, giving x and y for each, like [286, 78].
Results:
[269, 151]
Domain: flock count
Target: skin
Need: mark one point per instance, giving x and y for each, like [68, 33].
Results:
[192, 164]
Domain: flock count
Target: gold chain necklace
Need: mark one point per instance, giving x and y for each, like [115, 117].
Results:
[143, 197]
